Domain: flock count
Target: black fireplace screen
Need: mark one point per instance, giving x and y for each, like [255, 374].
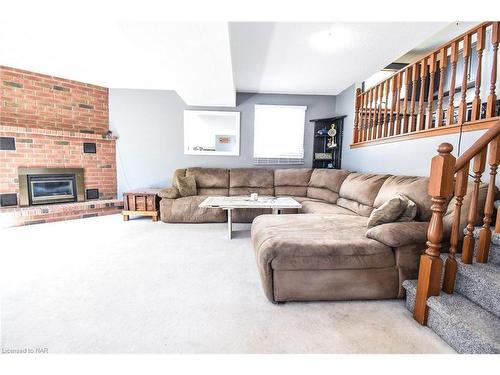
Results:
[44, 189]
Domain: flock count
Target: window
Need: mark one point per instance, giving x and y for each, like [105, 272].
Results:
[211, 133]
[279, 134]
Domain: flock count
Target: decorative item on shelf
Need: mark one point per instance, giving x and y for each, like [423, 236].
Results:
[330, 165]
[331, 143]
[322, 131]
[333, 131]
[109, 135]
[322, 156]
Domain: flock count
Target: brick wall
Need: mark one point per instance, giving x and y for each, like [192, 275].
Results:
[40, 149]
[37, 100]
[50, 119]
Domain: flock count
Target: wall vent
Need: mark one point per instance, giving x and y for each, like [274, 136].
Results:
[8, 199]
[89, 148]
[92, 194]
[7, 143]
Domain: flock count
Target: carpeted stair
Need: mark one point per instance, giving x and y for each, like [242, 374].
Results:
[469, 319]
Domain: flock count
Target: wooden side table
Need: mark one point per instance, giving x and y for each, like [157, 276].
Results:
[141, 202]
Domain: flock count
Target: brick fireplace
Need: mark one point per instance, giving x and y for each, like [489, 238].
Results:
[53, 123]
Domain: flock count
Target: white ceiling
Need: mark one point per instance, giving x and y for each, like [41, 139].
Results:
[283, 58]
[444, 35]
[191, 58]
[199, 60]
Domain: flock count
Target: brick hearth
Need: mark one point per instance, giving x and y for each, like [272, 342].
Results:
[50, 119]
[15, 216]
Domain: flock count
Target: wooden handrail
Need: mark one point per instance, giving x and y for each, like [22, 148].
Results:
[442, 186]
[420, 98]
[478, 146]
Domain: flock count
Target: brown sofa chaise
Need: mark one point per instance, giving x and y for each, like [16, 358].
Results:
[325, 251]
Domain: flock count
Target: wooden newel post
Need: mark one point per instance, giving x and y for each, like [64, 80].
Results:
[440, 189]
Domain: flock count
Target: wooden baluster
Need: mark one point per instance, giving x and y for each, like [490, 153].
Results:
[485, 233]
[369, 109]
[462, 108]
[366, 117]
[357, 115]
[440, 189]
[385, 131]
[476, 103]
[378, 132]
[430, 100]
[414, 75]
[374, 112]
[492, 97]
[392, 118]
[453, 77]
[362, 110]
[450, 269]
[399, 83]
[405, 103]
[362, 117]
[442, 69]
[376, 122]
[380, 111]
[468, 244]
[421, 97]
[497, 222]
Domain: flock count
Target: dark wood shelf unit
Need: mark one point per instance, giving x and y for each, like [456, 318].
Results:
[321, 142]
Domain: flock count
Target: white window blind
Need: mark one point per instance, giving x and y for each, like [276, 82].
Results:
[279, 134]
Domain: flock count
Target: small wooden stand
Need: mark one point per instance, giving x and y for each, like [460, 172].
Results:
[141, 202]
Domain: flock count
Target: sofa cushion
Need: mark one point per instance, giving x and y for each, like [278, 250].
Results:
[292, 178]
[317, 242]
[291, 191]
[389, 212]
[415, 188]
[354, 206]
[399, 234]
[186, 210]
[210, 177]
[169, 193]
[362, 187]
[251, 177]
[213, 191]
[317, 207]
[186, 186]
[325, 184]
[322, 194]
[330, 179]
[410, 211]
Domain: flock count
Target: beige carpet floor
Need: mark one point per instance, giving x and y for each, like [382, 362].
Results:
[101, 285]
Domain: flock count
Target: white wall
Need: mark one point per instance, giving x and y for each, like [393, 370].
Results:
[410, 157]
[149, 124]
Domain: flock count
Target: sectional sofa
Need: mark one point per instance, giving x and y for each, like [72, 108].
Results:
[323, 251]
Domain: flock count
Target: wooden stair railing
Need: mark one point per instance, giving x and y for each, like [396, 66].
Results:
[448, 178]
[444, 92]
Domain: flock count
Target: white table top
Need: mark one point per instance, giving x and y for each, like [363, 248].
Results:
[246, 202]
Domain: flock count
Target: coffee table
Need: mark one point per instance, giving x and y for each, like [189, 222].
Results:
[277, 204]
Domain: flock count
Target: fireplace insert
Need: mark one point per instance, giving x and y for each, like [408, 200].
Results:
[50, 185]
[51, 188]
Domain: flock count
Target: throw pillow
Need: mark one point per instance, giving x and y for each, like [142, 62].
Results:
[186, 186]
[410, 211]
[389, 212]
